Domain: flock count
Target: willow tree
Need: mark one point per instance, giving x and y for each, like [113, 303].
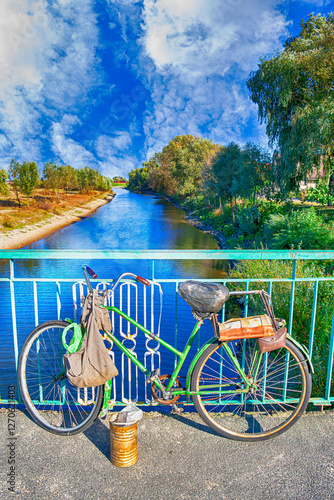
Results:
[294, 91]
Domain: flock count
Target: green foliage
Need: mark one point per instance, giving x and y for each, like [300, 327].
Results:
[294, 93]
[177, 170]
[240, 172]
[138, 180]
[321, 193]
[185, 156]
[27, 178]
[3, 185]
[87, 179]
[269, 207]
[14, 178]
[301, 229]
[228, 230]
[303, 304]
[249, 220]
[226, 170]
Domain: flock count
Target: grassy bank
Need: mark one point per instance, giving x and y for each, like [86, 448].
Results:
[266, 224]
[41, 209]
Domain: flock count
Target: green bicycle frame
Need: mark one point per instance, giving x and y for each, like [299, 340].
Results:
[182, 357]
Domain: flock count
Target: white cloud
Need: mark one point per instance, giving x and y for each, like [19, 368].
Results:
[47, 63]
[202, 53]
[65, 148]
[197, 37]
[115, 154]
[119, 142]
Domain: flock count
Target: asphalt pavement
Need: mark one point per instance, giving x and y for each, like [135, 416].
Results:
[179, 458]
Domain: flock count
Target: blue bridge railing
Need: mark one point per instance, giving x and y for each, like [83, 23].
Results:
[41, 285]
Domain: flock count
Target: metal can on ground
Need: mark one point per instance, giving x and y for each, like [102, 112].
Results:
[123, 444]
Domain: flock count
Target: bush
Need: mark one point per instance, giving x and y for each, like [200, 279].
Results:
[321, 194]
[228, 230]
[301, 229]
[268, 208]
[249, 220]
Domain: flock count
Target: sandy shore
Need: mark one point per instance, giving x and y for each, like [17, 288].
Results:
[18, 238]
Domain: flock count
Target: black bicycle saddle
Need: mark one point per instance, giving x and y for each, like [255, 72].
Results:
[204, 298]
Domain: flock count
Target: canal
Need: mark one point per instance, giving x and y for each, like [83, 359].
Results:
[130, 221]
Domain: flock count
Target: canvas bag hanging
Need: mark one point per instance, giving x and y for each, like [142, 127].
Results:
[91, 365]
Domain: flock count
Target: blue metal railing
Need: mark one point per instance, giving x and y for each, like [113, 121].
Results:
[11, 280]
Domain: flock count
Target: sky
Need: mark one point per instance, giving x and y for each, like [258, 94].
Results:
[107, 83]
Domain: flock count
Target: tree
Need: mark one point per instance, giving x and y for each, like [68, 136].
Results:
[294, 93]
[14, 178]
[185, 156]
[50, 176]
[226, 170]
[27, 178]
[67, 177]
[82, 180]
[3, 185]
[177, 170]
[257, 172]
[138, 179]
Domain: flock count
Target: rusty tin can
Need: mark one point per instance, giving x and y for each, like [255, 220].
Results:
[123, 444]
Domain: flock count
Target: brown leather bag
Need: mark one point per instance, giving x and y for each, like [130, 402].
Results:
[246, 328]
[267, 344]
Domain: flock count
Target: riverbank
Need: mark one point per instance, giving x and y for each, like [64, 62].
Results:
[15, 238]
[197, 222]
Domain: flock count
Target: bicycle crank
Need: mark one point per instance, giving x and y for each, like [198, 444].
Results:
[156, 392]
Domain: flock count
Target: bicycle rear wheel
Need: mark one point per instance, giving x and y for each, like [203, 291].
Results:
[277, 398]
[52, 401]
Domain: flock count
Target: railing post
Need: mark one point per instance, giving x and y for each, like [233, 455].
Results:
[12, 300]
[330, 362]
[313, 318]
[292, 295]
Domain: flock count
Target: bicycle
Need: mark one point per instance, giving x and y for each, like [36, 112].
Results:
[239, 392]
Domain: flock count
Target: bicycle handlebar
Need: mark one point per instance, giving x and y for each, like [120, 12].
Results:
[143, 281]
[90, 271]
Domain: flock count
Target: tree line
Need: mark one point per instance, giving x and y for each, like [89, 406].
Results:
[294, 93]
[24, 179]
[191, 167]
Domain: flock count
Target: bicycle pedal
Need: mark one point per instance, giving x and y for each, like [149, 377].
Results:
[177, 410]
[153, 376]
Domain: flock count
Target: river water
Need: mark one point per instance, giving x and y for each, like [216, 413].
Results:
[130, 221]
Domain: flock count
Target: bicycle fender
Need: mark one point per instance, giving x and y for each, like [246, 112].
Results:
[303, 350]
[194, 361]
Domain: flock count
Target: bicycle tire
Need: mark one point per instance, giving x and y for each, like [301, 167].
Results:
[52, 401]
[280, 396]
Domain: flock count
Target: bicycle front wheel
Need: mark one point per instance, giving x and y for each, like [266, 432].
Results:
[52, 401]
[276, 398]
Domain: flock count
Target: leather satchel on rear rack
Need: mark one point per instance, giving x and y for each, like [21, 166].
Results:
[246, 328]
[269, 331]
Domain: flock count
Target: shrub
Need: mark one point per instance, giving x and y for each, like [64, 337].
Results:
[321, 194]
[268, 208]
[249, 220]
[302, 229]
[8, 222]
[228, 230]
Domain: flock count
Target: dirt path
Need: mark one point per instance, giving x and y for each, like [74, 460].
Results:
[18, 238]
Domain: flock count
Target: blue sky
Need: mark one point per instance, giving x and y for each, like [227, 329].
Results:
[107, 83]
